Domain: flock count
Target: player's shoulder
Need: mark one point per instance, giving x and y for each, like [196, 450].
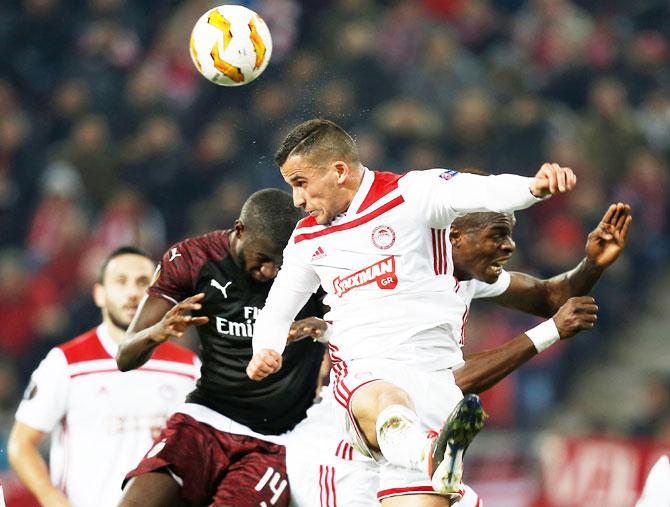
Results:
[85, 347]
[383, 187]
[436, 175]
[212, 245]
[174, 353]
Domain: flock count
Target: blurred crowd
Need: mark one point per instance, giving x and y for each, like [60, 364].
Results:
[108, 136]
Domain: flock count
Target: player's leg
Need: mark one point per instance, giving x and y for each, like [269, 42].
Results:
[371, 400]
[153, 489]
[416, 501]
[257, 475]
[387, 421]
[189, 458]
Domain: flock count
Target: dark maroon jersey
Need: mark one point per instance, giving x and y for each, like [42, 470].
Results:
[232, 301]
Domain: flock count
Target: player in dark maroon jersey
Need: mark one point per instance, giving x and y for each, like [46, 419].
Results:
[218, 448]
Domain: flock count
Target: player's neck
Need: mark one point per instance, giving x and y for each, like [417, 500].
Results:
[462, 275]
[233, 249]
[353, 185]
[115, 333]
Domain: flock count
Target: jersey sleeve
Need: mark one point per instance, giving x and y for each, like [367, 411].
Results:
[294, 285]
[44, 402]
[489, 290]
[173, 279]
[441, 195]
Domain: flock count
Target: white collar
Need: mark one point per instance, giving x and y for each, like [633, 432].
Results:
[106, 340]
[361, 194]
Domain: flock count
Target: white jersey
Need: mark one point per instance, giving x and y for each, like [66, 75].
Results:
[386, 266]
[102, 420]
[468, 290]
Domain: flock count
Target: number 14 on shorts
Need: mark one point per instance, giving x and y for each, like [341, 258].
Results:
[274, 482]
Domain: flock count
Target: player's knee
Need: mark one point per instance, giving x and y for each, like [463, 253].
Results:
[151, 489]
[393, 395]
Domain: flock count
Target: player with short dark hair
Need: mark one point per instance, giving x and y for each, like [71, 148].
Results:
[100, 419]
[482, 243]
[218, 447]
[377, 244]
[321, 139]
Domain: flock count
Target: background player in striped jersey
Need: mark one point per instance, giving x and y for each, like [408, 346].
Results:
[101, 420]
[482, 243]
[219, 447]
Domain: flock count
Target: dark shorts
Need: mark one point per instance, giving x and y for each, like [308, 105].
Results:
[218, 468]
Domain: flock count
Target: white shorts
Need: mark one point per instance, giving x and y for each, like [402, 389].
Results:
[324, 470]
[435, 394]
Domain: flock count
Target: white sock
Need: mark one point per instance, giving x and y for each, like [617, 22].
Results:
[401, 439]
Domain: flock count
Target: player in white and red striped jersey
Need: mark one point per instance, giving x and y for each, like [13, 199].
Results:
[377, 243]
[325, 468]
[656, 492]
[101, 420]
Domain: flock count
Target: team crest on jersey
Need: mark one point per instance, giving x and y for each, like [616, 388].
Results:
[448, 174]
[383, 237]
[382, 273]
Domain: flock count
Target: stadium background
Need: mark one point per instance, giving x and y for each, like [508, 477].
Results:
[108, 136]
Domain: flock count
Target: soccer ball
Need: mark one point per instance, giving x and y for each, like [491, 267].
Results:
[230, 45]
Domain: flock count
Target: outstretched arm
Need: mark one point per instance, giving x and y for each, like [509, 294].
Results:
[603, 246]
[156, 321]
[485, 369]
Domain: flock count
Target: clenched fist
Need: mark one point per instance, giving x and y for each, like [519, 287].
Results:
[263, 363]
[577, 314]
[552, 179]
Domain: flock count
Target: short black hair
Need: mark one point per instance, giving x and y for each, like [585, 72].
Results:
[271, 215]
[122, 250]
[476, 220]
[324, 135]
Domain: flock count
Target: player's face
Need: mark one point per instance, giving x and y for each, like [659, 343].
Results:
[259, 258]
[317, 189]
[125, 281]
[481, 253]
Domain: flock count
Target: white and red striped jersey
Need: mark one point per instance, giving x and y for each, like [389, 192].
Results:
[102, 421]
[468, 290]
[386, 266]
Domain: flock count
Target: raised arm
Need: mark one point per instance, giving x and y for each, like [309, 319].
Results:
[157, 320]
[440, 196]
[603, 246]
[485, 369]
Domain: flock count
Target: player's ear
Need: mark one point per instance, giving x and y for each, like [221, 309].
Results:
[455, 235]
[343, 171]
[239, 228]
[99, 295]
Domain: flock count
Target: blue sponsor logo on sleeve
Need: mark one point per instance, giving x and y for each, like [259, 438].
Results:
[448, 174]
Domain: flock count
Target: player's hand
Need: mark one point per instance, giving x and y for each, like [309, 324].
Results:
[313, 327]
[264, 362]
[177, 319]
[577, 314]
[552, 179]
[605, 242]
